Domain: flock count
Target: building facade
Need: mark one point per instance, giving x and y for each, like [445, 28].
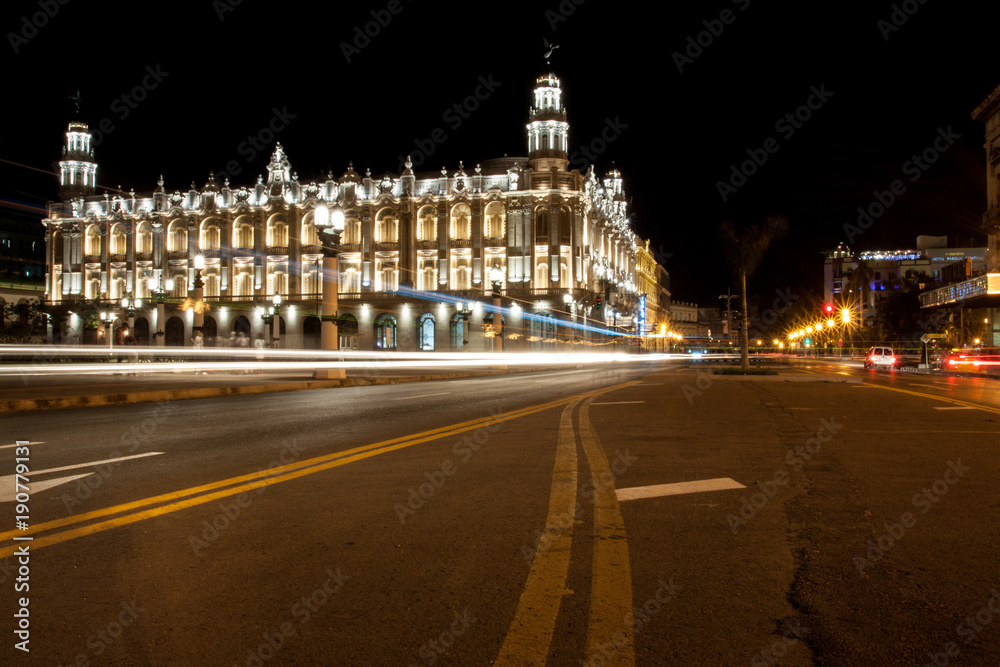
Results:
[415, 257]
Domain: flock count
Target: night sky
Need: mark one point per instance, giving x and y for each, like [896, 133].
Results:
[680, 116]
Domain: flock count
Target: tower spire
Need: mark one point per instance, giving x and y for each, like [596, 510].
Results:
[77, 169]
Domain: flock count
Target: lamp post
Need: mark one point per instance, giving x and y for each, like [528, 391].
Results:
[571, 308]
[108, 318]
[160, 291]
[464, 314]
[276, 325]
[329, 224]
[269, 314]
[129, 304]
[199, 297]
[496, 279]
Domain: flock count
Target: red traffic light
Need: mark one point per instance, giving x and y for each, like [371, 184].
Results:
[828, 308]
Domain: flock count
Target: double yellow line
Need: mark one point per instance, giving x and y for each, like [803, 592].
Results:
[80, 525]
[609, 633]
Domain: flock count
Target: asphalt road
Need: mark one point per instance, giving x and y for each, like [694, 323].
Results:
[497, 521]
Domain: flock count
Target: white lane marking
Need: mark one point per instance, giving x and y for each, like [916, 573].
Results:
[8, 487]
[618, 402]
[17, 445]
[961, 407]
[718, 484]
[93, 463]
[407, 398]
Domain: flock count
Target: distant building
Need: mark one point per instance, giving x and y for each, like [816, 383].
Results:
[415, 256]
[880, 272]
[982, 290]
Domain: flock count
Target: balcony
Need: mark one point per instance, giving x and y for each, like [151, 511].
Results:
[494, 242]
[350, 247]
[277, 250]
[177, 254]
[387, 246]
[461, 243]
[118, 257]
[144, 256]
[427, 245]
[977, 289]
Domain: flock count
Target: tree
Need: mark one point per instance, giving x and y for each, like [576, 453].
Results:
[744, 251]
[860, 278]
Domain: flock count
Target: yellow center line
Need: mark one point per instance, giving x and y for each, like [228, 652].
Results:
[608, 632]
[954, 401]
[530, 635]
[253, 481]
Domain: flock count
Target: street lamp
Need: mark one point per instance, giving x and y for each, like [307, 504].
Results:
[269, 314]
[199, 297]
[129, 304]
[160, 291]
[330, 224]
[496, 279]
[108, 318]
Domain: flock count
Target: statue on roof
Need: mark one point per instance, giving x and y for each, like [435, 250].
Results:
[551, 48]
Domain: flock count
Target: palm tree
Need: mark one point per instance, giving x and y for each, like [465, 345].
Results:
[860, 278]
[744, 251]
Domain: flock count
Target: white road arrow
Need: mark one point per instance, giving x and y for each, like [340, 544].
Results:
[8, 490]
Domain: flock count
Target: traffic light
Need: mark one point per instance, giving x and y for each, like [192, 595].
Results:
[828, 309]
[598, 304]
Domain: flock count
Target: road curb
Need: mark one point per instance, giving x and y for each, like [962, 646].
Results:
[97, 400]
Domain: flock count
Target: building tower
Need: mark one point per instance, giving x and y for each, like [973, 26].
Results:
[548, 131]
[78, 170]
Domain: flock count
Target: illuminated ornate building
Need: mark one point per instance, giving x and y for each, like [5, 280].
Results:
[415, 255]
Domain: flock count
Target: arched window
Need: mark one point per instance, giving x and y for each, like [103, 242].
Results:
[461, 222]
[92, 241]
[542, 225]
[386, 226]
[177, 236]
[144, 238]
[427, 224]
[309, 233]
[119, 245]
[347, 332]
[277, 232]
[565, 225]
[211, 236]
[352, 228]
[495, 221]
[243, 233]
[425, 332]
[385, 332]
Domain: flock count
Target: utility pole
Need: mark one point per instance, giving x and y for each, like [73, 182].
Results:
[729, 296]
